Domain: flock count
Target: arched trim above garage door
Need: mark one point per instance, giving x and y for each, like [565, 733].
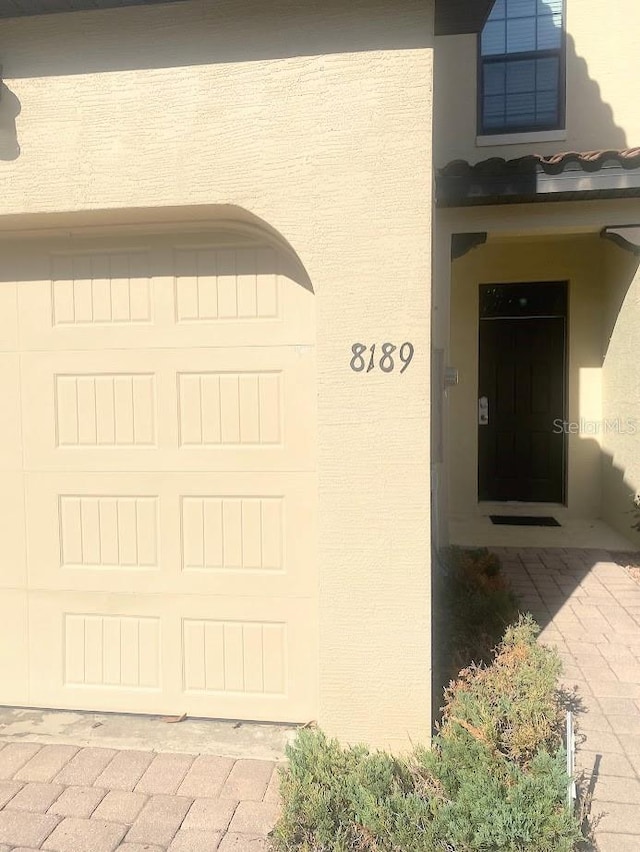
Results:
[213, 218]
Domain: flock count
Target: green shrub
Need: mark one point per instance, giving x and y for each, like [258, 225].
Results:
[494, 780]
[513, 704]
[339, 799]
[493, 804]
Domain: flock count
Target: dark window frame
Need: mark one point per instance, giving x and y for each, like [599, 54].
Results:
[504, 59]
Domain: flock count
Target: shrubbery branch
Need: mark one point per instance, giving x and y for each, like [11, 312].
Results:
[494, 780]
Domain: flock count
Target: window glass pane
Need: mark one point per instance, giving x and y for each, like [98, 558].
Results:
[547, 108]
[498, 11]
[521, 8]
[548, 73]
[493, 112]
[521, 93]
[548, 7]
[512, 300]
[493, 38]
[521, 110]
[494, 78]
[521, 76]
[549, 32]
[521, 35]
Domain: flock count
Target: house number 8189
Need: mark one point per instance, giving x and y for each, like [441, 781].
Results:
[385, 360]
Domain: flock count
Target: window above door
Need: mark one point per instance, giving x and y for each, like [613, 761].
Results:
[521, 73]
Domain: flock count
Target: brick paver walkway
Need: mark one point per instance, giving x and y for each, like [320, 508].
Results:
[65, 799]
[589, 608]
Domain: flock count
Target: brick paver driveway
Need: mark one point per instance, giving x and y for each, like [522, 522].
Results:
[65, 799]
[589, 608]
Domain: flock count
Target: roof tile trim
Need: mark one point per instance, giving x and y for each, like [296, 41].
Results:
[588, 161]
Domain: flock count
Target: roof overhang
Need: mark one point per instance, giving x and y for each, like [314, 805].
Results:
[452, 17]
[565, 177]
[457, 17]
[19, 8]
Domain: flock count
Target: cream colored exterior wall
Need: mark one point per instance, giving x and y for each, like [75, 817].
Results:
[578, 260]
[621, 388]
[317, 123]
[603, 54]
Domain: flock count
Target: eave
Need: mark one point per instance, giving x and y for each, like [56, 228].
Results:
[530, 179]
[452, 17]
[457, 17]
[20, 8]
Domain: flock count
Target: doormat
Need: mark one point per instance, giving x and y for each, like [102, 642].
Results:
[524, 520]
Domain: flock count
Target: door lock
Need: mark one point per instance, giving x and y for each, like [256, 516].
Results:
[483, 411]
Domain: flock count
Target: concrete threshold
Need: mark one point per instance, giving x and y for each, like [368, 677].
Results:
[476, 530]
[253, 740]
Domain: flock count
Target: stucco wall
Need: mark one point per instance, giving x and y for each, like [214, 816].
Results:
[603, 54]
[578, 260]
[621, 388]
[318, 122]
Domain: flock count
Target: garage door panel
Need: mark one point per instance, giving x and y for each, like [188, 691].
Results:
[13, 564]
[255, 662]
[236, 534]
[227, 658]
[100, 288]
[10, 437]
[96, 651]
[14, 647]
[90, 298]
[104, 289]
[160, 296]
[8, 316]
[75, 409]
[212, 410]
[242, 409]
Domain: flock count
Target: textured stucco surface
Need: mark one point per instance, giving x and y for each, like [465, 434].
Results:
[621, 388]
[317, 122]
[603, 55]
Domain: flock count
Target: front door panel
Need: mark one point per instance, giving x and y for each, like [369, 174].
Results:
[521, 444]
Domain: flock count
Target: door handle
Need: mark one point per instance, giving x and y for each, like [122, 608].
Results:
[483, 411]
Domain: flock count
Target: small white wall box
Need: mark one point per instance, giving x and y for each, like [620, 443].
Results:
[450, 377]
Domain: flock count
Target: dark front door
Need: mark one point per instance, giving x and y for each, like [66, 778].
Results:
[521, 398]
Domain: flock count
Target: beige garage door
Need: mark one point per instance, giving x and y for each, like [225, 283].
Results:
[158, 478]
